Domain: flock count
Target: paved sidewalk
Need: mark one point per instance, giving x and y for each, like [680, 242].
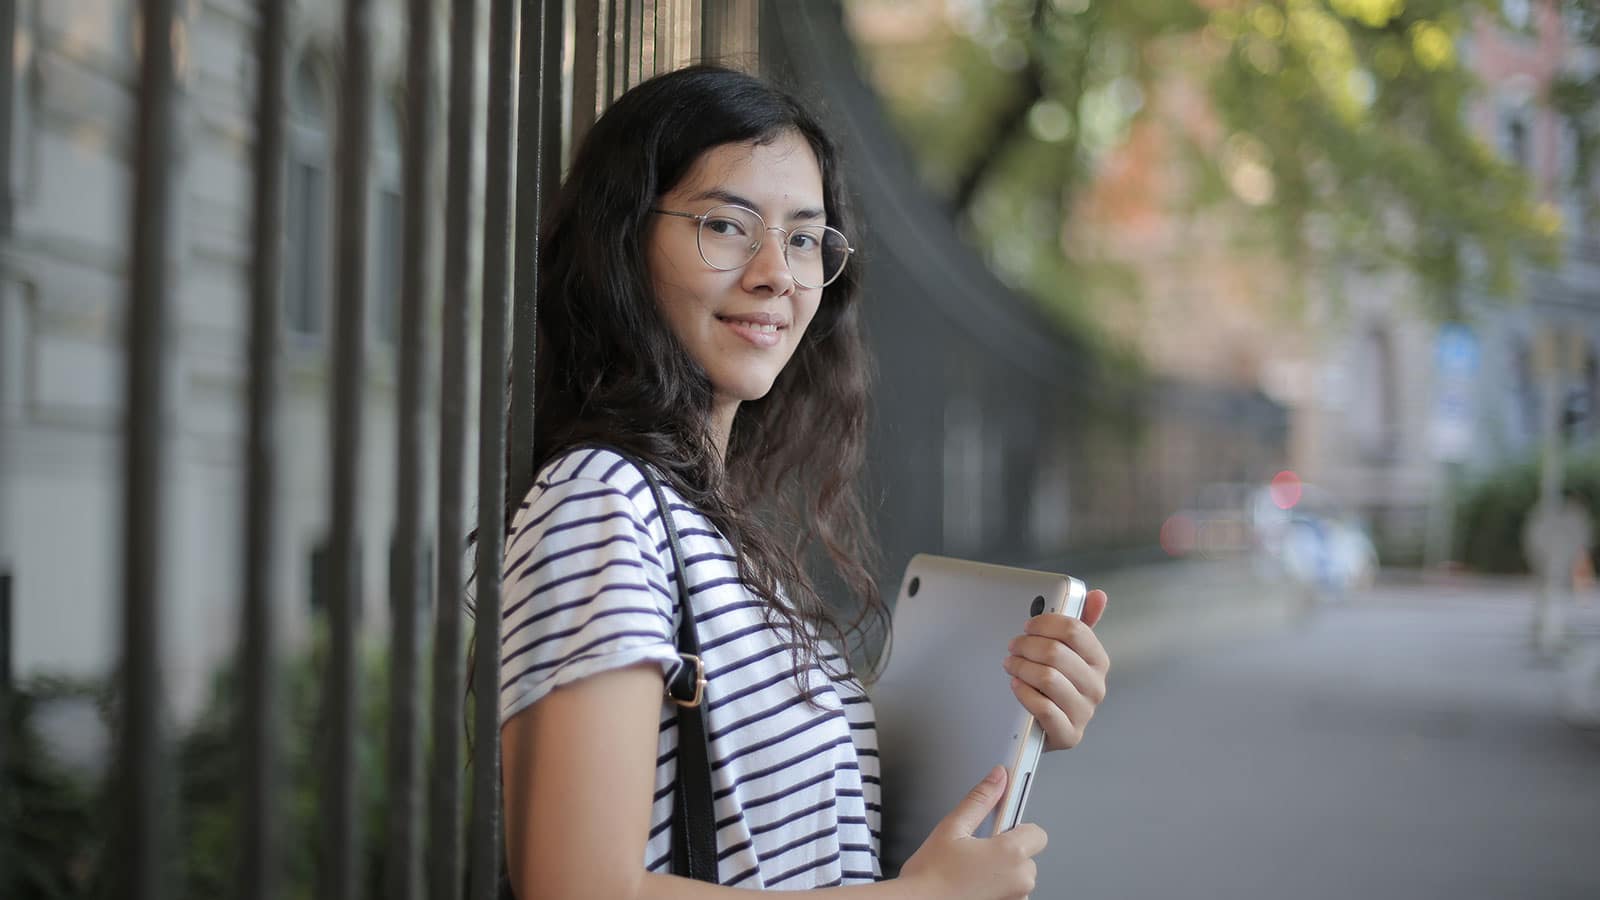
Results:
[1164, 609]
[1405, 744]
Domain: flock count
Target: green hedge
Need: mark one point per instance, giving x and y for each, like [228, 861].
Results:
[53, 822]
[1491, 511]
[50, 815]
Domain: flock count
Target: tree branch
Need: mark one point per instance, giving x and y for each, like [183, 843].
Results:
[1011, 120]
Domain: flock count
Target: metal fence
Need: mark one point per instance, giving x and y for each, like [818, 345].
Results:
[539, 102]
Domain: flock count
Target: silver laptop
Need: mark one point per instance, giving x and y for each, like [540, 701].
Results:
[945, 711]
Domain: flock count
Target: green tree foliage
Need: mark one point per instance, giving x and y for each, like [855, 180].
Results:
[1326, 128]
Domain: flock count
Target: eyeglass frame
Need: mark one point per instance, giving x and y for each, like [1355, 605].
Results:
[700, 221]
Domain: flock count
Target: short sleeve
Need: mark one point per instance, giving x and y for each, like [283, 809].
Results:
[584, 592]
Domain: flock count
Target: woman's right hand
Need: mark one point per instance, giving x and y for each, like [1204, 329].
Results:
[953, 864]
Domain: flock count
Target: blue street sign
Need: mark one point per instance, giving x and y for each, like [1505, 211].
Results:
[1456, 360]
[1456, 350]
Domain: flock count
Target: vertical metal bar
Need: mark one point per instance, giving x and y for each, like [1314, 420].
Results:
[5, 635]
[683, 47]
[403, 857]
[5, 693]
[444, 798]
[635, 42]
[8, 44]
[688, 40]
[257, 635]
[501, 112]
[531, 101]
[752, 35]
[585, 68]
[688, 43]
[744, 41]
[711, 12]
[647, 39]
[341, 823]
[552, 126]
[664, 34]
[144, 840]
[609, 38]
[8, 40]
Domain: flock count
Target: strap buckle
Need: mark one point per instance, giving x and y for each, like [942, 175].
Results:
[699, 682]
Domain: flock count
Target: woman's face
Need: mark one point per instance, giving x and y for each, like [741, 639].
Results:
[726, 320]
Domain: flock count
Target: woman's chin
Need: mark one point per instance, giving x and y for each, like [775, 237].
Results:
[747, 391]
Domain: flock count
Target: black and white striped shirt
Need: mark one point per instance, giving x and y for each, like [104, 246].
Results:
[589, 587]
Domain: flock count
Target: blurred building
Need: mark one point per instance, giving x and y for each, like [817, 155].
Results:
[1397, 400]
[62, 304]
[1391, 408]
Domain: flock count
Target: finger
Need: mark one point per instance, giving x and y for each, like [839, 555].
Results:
[1062, 715]
[976, 806]
[1027, 839]
[1075, 634]
[1094, 606]
[1061, 732]
[1085, 678]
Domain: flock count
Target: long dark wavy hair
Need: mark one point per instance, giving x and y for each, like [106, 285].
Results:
[610, 370]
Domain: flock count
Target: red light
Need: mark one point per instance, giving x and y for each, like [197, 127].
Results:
[1285, 489]
[1177, 535]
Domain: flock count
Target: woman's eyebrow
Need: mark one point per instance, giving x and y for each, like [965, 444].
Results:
[726, 196]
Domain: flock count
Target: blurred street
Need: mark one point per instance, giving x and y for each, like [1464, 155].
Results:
[1405, 744]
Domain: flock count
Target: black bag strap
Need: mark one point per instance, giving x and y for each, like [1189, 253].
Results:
[694, 819]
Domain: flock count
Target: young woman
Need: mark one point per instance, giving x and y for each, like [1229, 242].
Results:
[698, 311]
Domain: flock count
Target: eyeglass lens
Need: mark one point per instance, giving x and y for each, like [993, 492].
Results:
[730, 236]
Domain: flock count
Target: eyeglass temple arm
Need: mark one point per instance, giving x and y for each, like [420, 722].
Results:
[681, 215]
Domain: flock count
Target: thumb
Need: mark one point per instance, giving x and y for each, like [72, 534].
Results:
[1094, 606]
[973, 808]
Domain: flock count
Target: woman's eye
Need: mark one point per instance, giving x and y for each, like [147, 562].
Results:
[802, 241]
[725, 227]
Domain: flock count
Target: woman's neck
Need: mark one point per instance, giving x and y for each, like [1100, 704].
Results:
[722, 413]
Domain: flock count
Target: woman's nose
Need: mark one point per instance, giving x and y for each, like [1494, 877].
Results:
[770, 268]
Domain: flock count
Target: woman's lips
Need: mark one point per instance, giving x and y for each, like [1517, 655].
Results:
[761, 330]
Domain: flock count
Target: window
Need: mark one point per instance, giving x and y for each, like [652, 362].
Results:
[319, 577]
[964, 470]
[424, 574]
[1580, 412]
[317, 583]
[305, 286]
[390, 236]
[1524, 399]
[1518, 13]
[1579, 21]
[1577, 190]
[975, 467]
[1373, 416]
[1514, 141]
[388, 227]
[1051, 512]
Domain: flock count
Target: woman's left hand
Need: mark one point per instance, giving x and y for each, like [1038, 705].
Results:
[1058, 670]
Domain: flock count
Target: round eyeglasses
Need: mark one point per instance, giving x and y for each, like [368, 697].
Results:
[730, 236]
